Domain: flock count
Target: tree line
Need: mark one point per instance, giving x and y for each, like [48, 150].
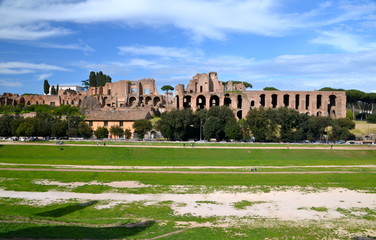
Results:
[96, 79]
[50, 121]
[265, 125]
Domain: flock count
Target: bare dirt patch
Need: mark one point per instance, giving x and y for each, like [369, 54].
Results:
[291, 205]
[116, 184]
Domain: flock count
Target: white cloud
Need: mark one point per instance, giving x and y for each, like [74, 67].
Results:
[286, 72]
[30, 32]
[44, 76]
[24, 19]
[10, 83]
[344, 41]
[25, 67]
[80, 46]
[159, 51]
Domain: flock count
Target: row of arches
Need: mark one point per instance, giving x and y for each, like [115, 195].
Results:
[320, 105]
[142, 101]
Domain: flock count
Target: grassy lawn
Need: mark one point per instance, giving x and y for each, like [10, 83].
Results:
[78, 219]
[182, 157]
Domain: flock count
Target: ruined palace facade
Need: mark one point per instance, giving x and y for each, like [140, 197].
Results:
[202, 92]
[205, 91]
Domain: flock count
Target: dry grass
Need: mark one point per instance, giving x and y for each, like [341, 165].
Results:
[364, 128]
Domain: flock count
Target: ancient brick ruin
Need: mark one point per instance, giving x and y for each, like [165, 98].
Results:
[203, 91]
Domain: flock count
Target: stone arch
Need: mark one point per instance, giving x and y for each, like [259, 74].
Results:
[252, 103]
[187, 101]
[156, 101]
[28, 103]
[308, 113]
[332, 103]
[214, 101]
[147, 100]
[200, 102]
[227, 100]
[274, 100]
[332, 100]
[141, 100]
[239, 114]
[240, 100]
[318, 101]
[72, 102]
[286, 100]
[132, 101]
[307, 101]
[177, 102]
[297, 99]
[22, 100]
[262, 100]
[319, 113]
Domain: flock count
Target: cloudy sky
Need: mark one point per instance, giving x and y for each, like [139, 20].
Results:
[287, 44]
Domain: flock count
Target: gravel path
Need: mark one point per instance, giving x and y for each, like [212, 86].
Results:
[176, 172]
[335, 147]
[182, 167]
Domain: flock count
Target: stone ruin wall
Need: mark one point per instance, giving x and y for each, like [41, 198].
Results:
[203, 91]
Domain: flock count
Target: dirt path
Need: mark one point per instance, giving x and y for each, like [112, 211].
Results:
[335, 147]
[181, 167]
[175, 172]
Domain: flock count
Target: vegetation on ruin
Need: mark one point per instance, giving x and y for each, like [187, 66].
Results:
[270, 89]
[246, 84]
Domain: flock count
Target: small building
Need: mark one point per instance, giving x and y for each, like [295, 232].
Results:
[123, 119]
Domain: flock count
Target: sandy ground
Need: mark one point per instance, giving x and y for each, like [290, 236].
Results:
[292, 204]
[225, 146]
[117, 184]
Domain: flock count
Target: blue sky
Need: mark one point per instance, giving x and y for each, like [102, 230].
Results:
[287, 44]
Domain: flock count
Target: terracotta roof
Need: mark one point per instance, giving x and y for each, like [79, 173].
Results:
[129, 115]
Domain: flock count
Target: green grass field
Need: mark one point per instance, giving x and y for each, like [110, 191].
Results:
[139, 219]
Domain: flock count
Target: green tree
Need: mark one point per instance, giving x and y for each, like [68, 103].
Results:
[73, 122]
[53, 90]
[224, 114]
[263, 124]
[57, 89]
[127, 133]
[371, 118]
[141, 127]
[84, 130]
[59, 128]
[85, 84]
[5, 125]
[354, 98]
[213, 128]
[270, 89]
[101, 132]
[101, 79]
[233, 130]
[46, 87]
[178, 124]
[167, 88]
[116, 131]
[331, 89]
[93, 79]
[27, 128]
[288, 120]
